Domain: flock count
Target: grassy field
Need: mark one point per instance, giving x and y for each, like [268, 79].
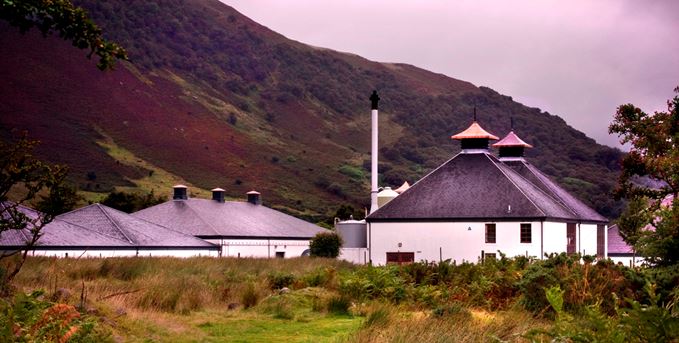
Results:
[323, 300]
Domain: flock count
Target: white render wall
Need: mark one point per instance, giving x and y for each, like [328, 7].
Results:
[260, 247]
[354, 255]
[464, 241]
[124, 253]
[587, 239]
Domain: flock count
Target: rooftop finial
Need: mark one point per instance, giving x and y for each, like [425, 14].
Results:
[374, 99]
[474, 113]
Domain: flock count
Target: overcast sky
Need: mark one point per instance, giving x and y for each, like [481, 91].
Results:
[578, 59]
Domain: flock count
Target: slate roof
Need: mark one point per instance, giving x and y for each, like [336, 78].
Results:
[99, 226]
[473, 187]
[531, 173]
[616, 245]
[232, 219]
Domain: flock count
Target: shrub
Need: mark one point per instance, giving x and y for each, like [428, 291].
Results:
[326, 244]
[250, 296]
[279, 280]
[380, 317]
[339, 305]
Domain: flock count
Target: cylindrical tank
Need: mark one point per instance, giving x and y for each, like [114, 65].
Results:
[385, 196]
[354, 233]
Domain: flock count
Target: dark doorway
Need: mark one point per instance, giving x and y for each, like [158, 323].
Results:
[570, 238]
[400, 257]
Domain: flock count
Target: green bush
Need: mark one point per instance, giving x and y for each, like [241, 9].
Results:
[326, 244]
[250, 296]
[279, 280]
[339, 305]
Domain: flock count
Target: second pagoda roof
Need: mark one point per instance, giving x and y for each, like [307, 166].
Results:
[512, 140]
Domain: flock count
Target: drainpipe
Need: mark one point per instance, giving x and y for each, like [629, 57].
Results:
[542, 240]
[370, 244]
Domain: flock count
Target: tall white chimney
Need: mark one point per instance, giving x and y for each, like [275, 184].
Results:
[374, 99]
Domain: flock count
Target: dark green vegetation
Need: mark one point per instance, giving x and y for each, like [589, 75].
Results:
[325, 244]
[654, 156]
[23, 178]
[132, 202]
[206, 299]
[69, 22]
[218, 100]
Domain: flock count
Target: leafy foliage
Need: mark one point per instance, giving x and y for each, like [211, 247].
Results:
[68, 21]
[131, 202]
[325, 244]
[655, 156]
[23, 176]
[26, 318]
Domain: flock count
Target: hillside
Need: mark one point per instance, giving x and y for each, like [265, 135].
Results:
[214, 99]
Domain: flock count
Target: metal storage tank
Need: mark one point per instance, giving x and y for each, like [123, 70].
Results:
[385, 196]
[353, 232]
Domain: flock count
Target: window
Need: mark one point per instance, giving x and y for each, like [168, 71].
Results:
[600, 240]
[489, 255]
[570, 238]
[400, 257]
[526, 236]
[490, 233]
[280, 254]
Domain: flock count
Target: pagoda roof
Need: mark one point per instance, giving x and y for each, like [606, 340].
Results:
[474, 131]
[511, 140]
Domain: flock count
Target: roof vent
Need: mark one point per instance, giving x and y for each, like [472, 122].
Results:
[511, 147]
[218, 195]
[180, 192]
[474, 139]
[254, 197]
[385, 196]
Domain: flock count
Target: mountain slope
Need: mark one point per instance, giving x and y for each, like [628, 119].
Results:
[219, 100]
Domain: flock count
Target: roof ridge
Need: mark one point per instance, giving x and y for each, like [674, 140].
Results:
[88, 229]
[165, 227]
[201, 217]
[516, 186]
[99, 206]
[561, 201]
[420, 180]
[558, 201]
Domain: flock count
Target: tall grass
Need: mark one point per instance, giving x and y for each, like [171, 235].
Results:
[176, 285]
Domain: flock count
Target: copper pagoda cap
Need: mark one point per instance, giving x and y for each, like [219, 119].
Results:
[474, 131]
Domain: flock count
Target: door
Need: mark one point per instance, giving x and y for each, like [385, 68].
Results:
[570, 238]
[400, 257]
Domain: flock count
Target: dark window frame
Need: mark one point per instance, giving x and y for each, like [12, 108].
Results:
[491, 233]
[526, 233]
[600, 240]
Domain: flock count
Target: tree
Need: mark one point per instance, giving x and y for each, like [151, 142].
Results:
[68, 21]
[23, 177]
[650, 179]
[325, 244]
[131, 202]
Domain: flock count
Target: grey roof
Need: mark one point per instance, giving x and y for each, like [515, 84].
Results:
[209, 218]
[616, 245]
[99, 226]
[538, 178]
[473, 187]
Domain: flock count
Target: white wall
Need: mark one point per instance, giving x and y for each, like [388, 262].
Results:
[587, 239]
[124, 253]
[354, 255]
[260, 247]
[458, 243]
[628, 261]
[555, 240]
[454, 241]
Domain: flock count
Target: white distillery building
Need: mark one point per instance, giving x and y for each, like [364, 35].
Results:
[100, 231]
[476, 205]
[238, 228]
